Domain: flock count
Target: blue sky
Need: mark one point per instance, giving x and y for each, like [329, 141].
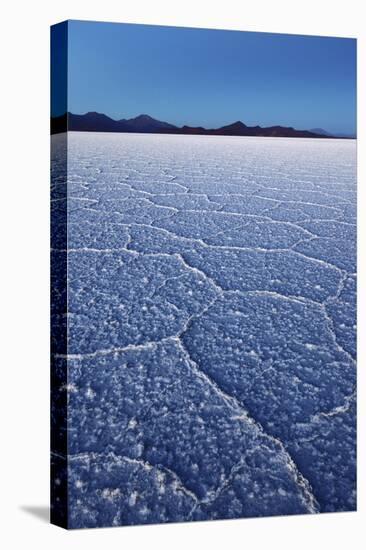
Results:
[212, 77]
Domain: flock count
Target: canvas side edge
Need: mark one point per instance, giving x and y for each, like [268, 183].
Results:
[58, 362]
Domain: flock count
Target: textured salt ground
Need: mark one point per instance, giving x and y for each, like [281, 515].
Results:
[211, 326]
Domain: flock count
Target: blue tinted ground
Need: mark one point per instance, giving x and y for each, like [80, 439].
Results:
[211, 327]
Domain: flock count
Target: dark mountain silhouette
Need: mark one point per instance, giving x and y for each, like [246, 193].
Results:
[97, 122]
[90, 121]
[192, 130]
[146, 123]
[237, 128]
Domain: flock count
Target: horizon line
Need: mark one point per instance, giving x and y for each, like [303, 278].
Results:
[352, 135]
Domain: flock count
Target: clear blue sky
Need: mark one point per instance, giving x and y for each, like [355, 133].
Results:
[212, 77]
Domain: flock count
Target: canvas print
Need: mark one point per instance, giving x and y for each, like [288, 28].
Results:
[203, 312]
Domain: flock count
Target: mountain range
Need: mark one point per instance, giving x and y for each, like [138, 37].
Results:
[98, 122]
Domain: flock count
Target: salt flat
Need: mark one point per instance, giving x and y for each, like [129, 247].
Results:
[211, 326]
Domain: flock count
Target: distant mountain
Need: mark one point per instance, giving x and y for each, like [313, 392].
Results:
[237, 128]
[320, 131]
[328, 134]
[98, 122]
[145, 123]
[240, 129]
[91, 121]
